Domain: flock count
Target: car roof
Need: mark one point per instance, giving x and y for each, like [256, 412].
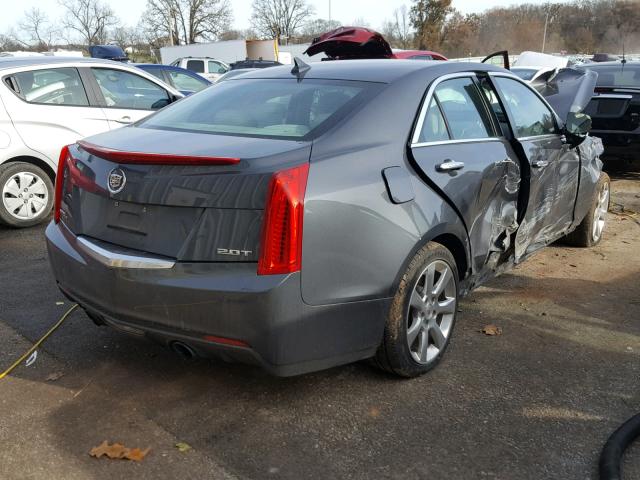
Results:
[13, 62]
[381, 70]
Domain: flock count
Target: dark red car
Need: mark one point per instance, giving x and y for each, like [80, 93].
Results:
[418, 55]
[346, 43]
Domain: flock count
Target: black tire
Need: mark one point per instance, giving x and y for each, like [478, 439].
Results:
[11, 172]
[584, 234]
[395, 355]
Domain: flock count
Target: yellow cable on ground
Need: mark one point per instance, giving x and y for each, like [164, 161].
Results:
[38, 343]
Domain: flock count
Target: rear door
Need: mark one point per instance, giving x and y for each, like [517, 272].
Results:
[50, 108]
[459, 148]
[127, 97]
[551, 176]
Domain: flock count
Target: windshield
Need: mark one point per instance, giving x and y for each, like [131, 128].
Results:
[617, 75]
[274, 108]
[524, 73]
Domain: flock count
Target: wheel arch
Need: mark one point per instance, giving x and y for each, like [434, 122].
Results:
[38, 162]
[450, 235]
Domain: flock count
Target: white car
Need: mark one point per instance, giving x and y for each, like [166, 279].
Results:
[532, 66]
[207, 67]
[49, 102]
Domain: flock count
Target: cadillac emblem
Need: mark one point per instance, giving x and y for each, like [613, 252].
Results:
[116, 180]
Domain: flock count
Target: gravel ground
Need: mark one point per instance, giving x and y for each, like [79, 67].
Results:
[539, 401]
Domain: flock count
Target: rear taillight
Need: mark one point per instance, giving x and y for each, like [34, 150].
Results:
[62, 167]
[281, 246]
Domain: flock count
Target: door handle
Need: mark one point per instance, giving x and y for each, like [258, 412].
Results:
[539, 164]
[449, 166]
[125, 119]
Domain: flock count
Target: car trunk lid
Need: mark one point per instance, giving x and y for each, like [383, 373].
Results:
[189, 196]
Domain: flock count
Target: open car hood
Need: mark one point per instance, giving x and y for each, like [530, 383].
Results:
[350, 42]
[568, 90]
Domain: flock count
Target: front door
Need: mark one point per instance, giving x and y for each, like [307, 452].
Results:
[127, 97]
[553, 166]
[461, 150]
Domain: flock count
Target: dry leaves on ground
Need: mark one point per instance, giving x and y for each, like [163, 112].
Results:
[492, 330]
[118, 451]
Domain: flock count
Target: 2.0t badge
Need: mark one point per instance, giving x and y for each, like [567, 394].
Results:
[116, 180]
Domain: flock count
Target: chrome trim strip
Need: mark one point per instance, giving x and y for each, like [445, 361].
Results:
[540, 137]
[427, 100]
[451, 142]
[610, 95]
[122, 260]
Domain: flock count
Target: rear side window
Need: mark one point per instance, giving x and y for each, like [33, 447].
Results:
[125, 90]
[463, 109]
[276, 108]
[434, 128]
[530, 115]
[56, 86]
[196, 66]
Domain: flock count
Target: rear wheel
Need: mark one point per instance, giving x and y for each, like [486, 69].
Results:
[26, 194]
[422, 314]
[590, 230]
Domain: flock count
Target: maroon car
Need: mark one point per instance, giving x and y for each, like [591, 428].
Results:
[357, 42]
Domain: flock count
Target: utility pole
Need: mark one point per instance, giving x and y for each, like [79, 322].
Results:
[329, 10]
[546, 22]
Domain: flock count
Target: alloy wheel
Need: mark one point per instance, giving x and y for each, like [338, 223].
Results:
[25, 195]
[600, 213]
[431, 312]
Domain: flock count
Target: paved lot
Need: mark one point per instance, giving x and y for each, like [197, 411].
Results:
[537, 402]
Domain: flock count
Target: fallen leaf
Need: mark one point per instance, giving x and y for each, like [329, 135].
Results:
[183, 447]
[492, 330]
[136, 454]
[117, 451]
[52, 377]
[374, 412]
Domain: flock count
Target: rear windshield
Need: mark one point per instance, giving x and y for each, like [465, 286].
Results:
[272, 108]
[618, 76]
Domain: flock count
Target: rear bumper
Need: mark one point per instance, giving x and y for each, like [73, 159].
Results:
[192, 300]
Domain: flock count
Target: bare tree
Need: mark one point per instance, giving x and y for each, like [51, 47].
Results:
[187, 21]
[317, 27]
[40, 31]
[91, 19]
[398, 31]
[280, 18]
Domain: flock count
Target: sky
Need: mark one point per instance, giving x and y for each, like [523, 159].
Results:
[374, 12]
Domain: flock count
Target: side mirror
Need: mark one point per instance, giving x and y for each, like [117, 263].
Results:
[163, 102]
[577, 127]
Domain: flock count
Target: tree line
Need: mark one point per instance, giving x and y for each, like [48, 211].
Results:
[575, 26]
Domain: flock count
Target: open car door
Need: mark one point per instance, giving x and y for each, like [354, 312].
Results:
[500, 59]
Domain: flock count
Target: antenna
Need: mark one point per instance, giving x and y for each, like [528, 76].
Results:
[300, 68]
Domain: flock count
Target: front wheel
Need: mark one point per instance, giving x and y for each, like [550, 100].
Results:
[589, 232]
[26, 194]
[422, 314]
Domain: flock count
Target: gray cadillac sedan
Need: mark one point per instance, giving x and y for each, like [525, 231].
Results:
[306, 218]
